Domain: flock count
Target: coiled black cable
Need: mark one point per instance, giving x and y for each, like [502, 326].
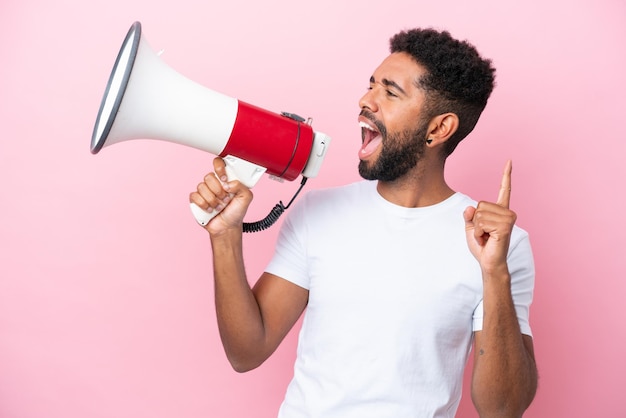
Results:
[268, 221]
[274, 214]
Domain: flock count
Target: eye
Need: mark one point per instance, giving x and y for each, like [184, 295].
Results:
[391, 93]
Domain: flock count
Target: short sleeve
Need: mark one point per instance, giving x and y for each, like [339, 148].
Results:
[289, 259]
[522, 270]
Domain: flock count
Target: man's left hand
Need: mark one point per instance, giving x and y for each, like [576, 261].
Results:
[488, 227]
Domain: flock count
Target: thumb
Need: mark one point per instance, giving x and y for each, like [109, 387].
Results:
[468, 215]
[473, 236]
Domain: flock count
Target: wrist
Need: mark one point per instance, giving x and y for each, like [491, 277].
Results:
[496, 274]
[226, 236]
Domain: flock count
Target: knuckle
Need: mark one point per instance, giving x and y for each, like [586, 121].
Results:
[198, 200]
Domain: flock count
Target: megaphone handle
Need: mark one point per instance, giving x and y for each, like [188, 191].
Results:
[236, 169]
[202, 216]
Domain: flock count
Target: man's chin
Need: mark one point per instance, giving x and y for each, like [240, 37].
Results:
[367, 171]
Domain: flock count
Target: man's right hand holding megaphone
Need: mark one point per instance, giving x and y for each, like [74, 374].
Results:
[227, 200]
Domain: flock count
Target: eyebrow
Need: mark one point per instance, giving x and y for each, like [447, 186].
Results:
[389, 83]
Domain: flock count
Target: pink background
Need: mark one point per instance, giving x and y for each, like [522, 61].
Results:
[105, 280]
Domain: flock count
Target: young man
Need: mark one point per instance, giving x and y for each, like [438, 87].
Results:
[398, 274]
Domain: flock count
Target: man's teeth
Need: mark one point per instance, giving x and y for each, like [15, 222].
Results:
[366, 126]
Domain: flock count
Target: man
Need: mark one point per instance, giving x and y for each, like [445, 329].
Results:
[398, 274]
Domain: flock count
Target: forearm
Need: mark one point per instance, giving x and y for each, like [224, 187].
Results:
[505, 378]
[238, 315]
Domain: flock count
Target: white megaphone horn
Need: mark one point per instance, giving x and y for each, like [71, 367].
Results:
[146, 99]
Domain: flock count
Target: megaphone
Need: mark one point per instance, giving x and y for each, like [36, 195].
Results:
[146, 99]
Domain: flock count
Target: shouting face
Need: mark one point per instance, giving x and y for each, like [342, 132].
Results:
[393, 128]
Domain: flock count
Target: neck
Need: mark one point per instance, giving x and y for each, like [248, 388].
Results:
[424, 185]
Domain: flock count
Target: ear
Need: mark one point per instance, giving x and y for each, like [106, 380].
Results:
[441, 128]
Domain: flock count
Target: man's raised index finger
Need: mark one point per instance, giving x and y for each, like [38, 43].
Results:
[504, 196]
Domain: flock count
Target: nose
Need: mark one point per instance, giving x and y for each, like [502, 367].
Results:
[368, 101]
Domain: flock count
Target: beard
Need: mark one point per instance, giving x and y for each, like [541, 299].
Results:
[400, 152]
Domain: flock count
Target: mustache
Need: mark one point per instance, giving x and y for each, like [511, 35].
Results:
[379, 125]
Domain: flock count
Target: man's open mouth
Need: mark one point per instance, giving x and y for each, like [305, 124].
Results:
[370, 136]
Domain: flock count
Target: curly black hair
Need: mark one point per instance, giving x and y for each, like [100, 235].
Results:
[457, 79]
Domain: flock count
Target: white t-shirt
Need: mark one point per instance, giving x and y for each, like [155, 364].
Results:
[394, 295]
